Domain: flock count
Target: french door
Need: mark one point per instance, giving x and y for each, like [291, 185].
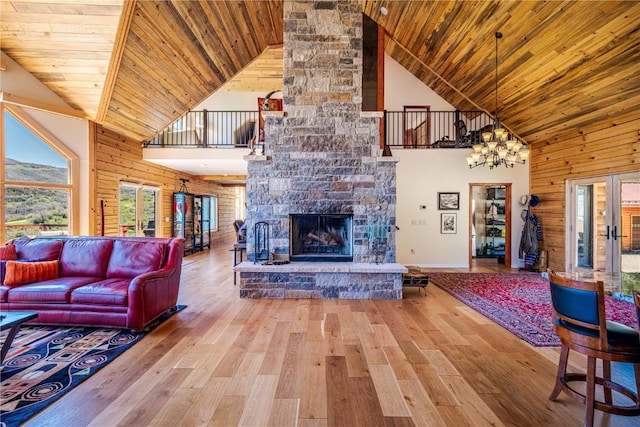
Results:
[138, 210]
[603, 232]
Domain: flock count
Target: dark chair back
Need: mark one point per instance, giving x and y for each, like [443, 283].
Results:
[578, 311]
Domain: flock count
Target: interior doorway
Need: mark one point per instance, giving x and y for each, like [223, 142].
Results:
[490, 223]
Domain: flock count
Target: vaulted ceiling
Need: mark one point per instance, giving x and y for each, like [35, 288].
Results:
[136, 66]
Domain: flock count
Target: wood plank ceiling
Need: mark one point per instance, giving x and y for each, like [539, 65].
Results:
[563, 64]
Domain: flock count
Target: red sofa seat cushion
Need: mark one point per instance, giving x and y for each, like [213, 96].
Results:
[105, 292]
[131, 258]
[50, 291]
[85, 257]
[29, 249]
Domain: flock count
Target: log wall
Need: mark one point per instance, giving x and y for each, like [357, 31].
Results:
[117, 158]
[610, 147]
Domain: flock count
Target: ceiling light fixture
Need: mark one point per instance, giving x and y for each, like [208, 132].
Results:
[498, 147]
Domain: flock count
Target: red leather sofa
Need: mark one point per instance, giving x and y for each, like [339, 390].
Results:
[120, 282]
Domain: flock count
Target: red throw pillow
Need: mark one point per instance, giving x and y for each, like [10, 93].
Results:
[22, 273]
[8, 253]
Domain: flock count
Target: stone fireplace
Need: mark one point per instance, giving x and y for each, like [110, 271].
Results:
[322, 159]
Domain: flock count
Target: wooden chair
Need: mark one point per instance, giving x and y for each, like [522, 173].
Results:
[579, 320]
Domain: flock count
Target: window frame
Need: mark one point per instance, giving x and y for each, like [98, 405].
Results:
[213, 213]
[73, 167]
[139, 191]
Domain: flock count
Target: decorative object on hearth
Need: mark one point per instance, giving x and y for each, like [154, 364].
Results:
[497, 146]
[261, 250]
[45, 362]
[378, 234]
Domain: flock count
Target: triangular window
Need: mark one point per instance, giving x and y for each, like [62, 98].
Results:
[28, 158]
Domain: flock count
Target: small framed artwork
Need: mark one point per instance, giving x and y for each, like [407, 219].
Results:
[448, 223]
[448, 201]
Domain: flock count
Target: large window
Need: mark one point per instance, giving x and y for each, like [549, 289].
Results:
[36, 176]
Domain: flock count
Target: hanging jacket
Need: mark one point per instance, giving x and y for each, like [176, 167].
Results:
[531, 233]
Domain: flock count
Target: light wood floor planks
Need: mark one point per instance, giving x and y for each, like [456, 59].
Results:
[226, 361]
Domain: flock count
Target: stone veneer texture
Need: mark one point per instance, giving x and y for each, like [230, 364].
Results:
[321, 154]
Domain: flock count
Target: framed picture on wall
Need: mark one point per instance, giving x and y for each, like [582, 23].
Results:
[448, 201]
[448, 223]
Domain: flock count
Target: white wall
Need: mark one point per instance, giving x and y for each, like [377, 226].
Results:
[233, 101]
[421, 174]
[72, 132]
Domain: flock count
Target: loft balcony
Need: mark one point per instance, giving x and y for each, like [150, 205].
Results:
[415, 127]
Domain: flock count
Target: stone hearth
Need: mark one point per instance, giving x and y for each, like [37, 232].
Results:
[322, 156]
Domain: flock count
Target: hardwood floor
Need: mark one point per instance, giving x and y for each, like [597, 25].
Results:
[226, 361]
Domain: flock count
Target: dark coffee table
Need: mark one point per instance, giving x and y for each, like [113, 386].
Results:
[12, 320]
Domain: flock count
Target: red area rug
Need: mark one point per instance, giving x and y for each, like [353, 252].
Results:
[520, 303]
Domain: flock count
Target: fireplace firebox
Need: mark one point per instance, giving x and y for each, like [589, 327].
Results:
[321, 237]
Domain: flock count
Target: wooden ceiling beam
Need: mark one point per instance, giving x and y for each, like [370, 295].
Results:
[124, 24]
[223, 178]
[42, 106]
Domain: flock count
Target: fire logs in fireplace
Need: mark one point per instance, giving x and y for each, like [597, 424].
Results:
[318, 237]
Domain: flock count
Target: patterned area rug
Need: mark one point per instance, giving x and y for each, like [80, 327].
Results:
[521, 303]
[45, 362]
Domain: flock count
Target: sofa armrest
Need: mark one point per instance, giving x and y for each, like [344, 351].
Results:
[153, 293]
[3, 270]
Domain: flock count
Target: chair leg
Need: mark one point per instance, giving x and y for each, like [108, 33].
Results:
[636, 368]
[606, 375]
[590, 394]
[562, 371]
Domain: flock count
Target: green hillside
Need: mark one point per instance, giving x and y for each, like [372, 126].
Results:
[25, 205]
[33, 172]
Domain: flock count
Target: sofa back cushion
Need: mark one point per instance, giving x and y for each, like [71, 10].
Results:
[130, 258]
[38, 249]
[8, 252]
[22, 273]
[85, 257]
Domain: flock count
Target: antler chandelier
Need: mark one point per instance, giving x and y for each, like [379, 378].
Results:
[497, 147]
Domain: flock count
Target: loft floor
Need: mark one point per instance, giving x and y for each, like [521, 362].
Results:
[226, 361]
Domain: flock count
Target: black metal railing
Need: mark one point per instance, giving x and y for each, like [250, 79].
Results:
[420, 128]
[210, 129]
[414, 128]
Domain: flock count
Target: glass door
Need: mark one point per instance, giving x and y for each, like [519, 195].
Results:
[138, 210]
[604, 228]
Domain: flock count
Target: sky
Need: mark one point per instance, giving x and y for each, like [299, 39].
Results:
[22, 145]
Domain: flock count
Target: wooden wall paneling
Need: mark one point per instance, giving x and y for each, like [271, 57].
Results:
[609, 147]
[118, 158]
